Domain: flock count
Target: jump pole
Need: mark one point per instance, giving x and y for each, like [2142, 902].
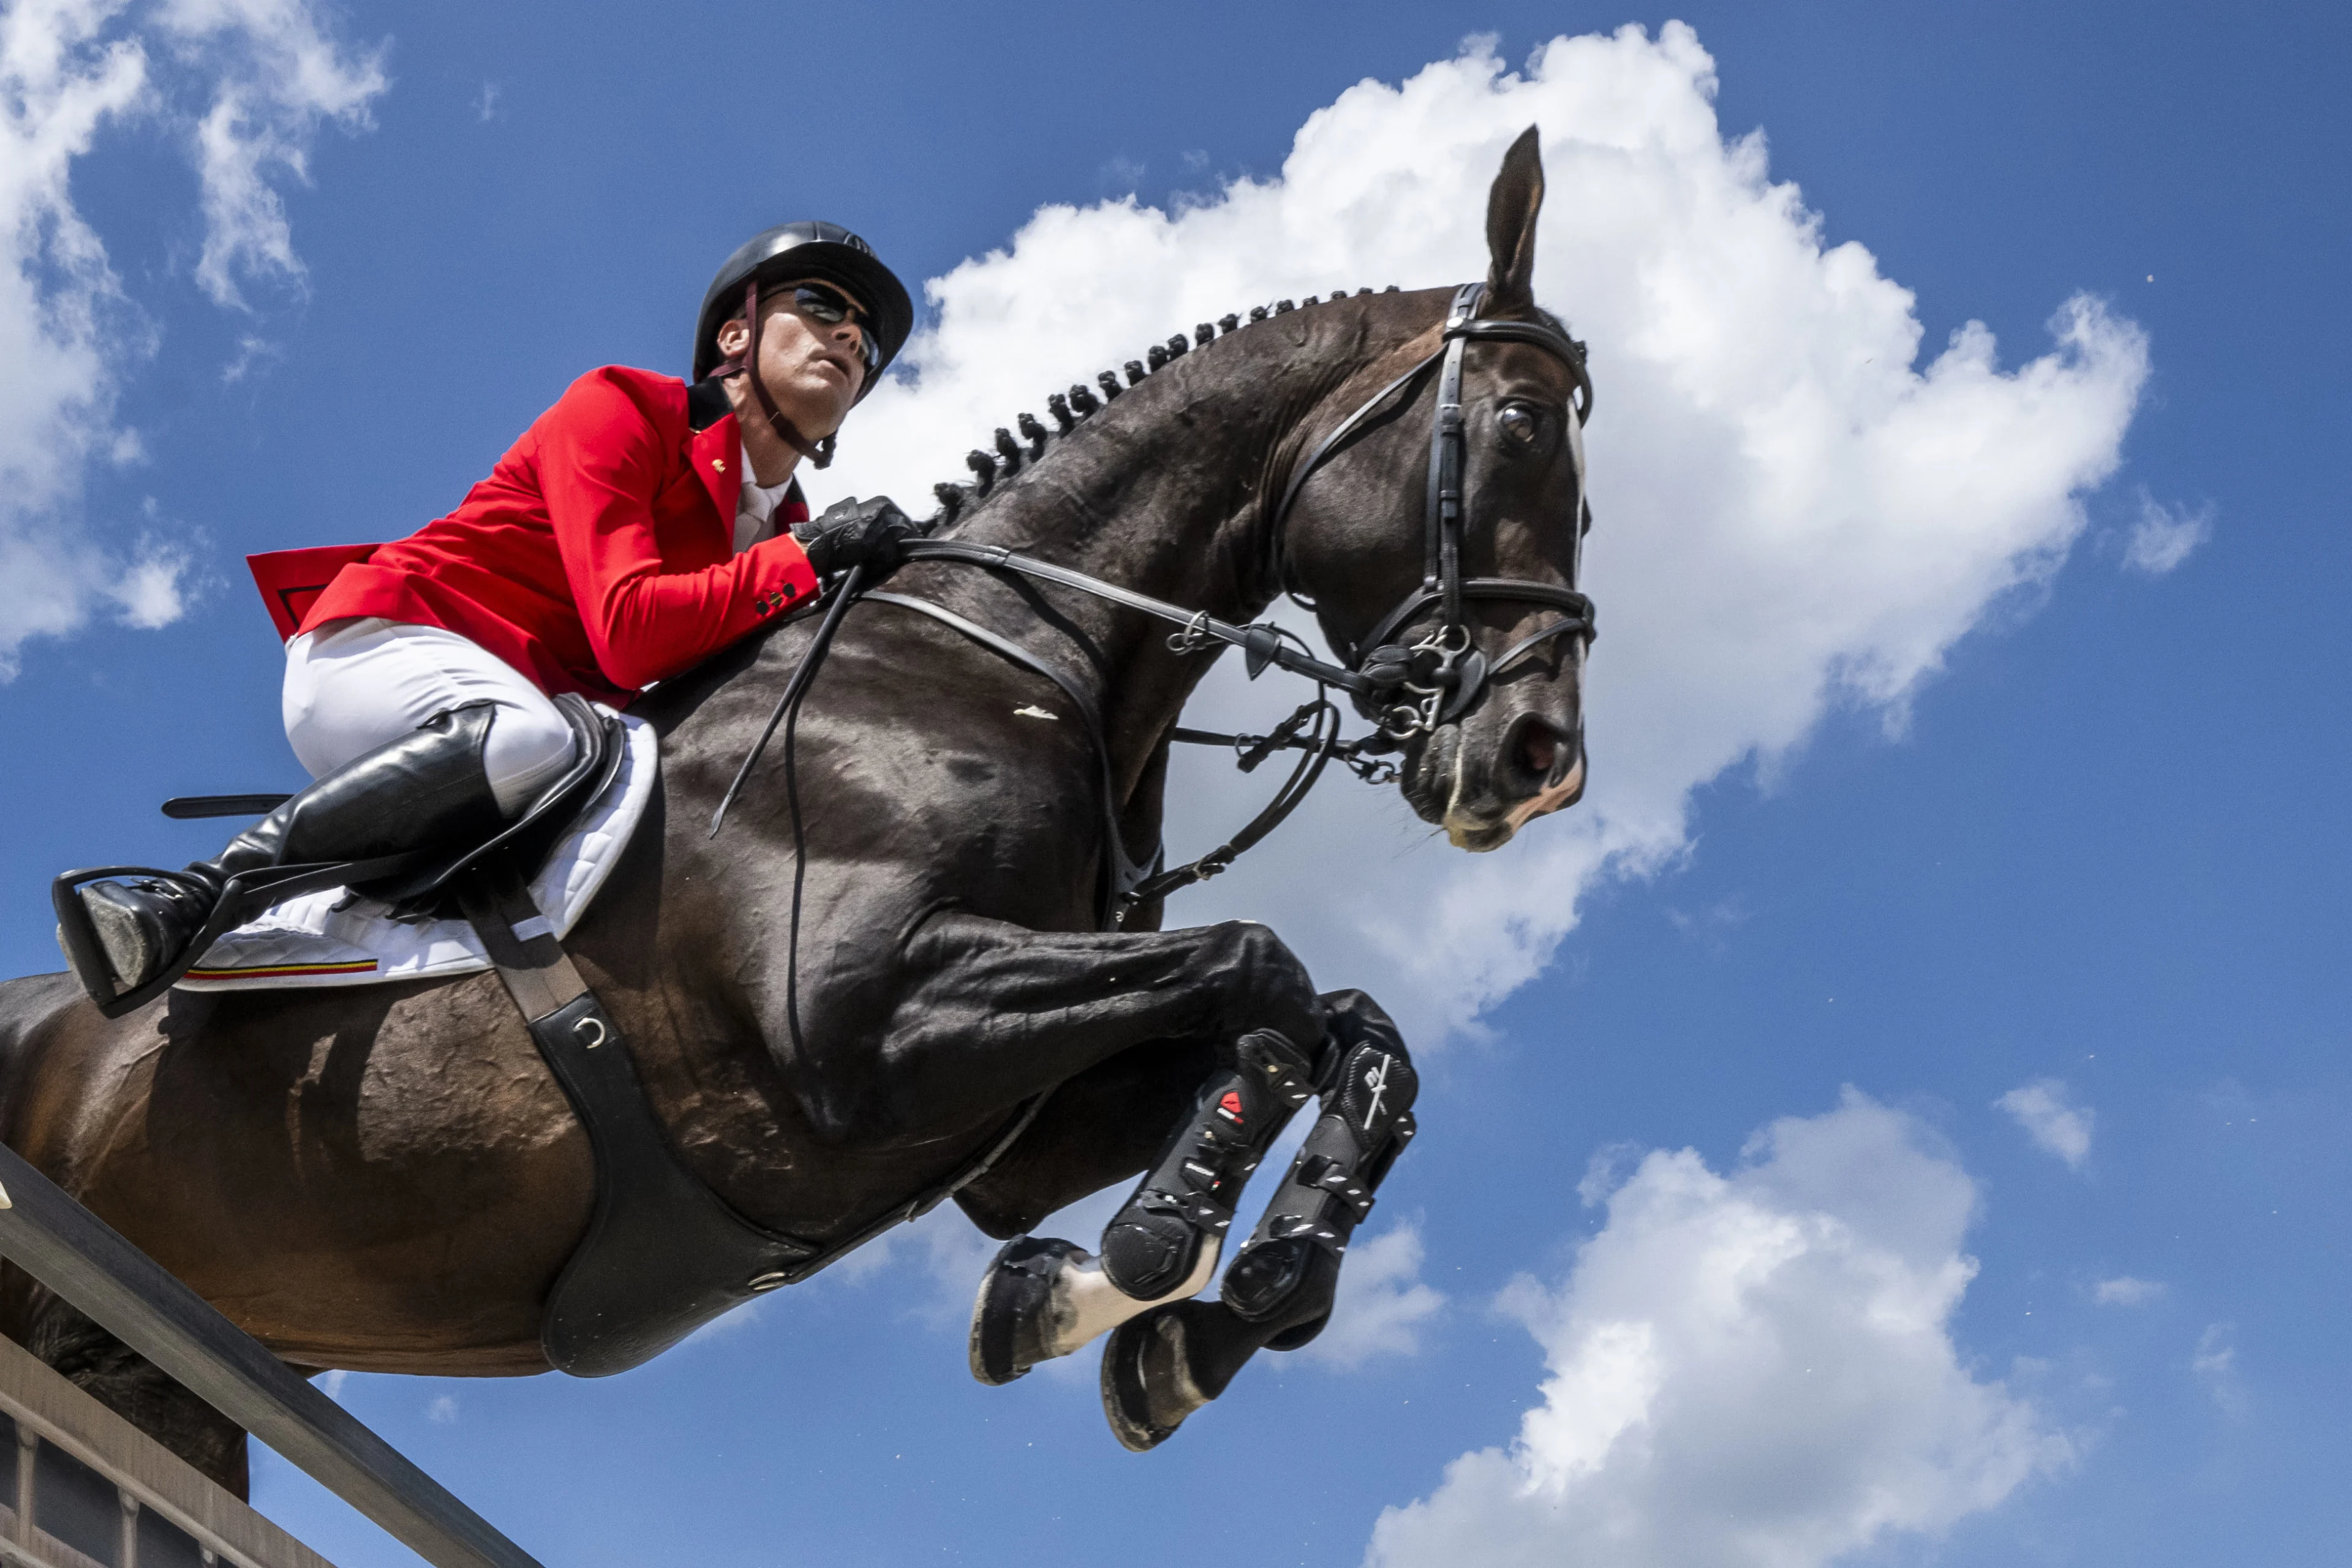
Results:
[82, 1259]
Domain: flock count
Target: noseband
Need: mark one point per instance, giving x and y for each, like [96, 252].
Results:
[1411, 688]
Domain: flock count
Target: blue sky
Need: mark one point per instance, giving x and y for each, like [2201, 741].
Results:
[2081, 839]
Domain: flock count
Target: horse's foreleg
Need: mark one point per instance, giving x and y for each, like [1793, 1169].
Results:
[998, 1012]
[1103, 1127]
[990, 1014]
[1163, 1364]
[1043, 1298]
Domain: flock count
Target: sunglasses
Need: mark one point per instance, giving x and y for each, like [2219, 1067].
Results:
[824, 304]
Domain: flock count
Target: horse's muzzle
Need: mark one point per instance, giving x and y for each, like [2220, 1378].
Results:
[1482, 794]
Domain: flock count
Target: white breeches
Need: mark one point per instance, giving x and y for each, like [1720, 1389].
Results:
[351, 686]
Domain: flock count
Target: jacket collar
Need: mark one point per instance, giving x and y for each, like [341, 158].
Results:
[716, 454]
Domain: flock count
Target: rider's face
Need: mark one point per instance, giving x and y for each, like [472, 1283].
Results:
[813, 368]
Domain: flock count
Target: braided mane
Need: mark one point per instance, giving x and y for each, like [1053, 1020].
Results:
[1008, 453]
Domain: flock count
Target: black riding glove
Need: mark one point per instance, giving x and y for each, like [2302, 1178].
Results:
[854, 532]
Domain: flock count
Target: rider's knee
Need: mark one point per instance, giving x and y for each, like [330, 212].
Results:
[529, 749]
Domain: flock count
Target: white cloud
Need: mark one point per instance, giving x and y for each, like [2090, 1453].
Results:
[2041, 1108]
[2215, 1364]
[2126, 1291]
[2164, 536]
[1794, 512]
[1746, 1371]
[70, 72]
[276, 76]
[442, 1409]
[1382, 1303]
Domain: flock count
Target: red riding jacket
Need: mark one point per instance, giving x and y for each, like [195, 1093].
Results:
[599, 555]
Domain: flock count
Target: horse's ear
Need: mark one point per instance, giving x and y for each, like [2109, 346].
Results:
[1511, 209]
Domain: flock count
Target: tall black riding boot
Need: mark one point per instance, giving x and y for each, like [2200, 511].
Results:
[426, 790]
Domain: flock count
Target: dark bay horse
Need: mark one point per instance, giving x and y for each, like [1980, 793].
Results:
[388, 1179]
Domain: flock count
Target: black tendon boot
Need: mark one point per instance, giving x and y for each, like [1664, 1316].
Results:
[425, 791]
[1043, 1297]
[1285, 1278]
[1163, 1366]
[1154, 1242]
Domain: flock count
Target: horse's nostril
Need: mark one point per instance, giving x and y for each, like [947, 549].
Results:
[1538, 750]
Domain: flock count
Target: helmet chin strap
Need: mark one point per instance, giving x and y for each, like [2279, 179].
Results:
[819, 453]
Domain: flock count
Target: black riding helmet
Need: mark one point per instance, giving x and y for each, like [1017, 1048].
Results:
[809, 250]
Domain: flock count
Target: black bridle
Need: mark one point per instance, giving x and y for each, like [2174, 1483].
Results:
[1411, 688]
[1407, 688]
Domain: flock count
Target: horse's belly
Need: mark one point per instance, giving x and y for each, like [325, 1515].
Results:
[398, 1199]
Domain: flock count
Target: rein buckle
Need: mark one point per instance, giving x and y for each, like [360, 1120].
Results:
[1193, 637]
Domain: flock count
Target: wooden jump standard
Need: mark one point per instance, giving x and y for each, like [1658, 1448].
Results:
[79, 1255]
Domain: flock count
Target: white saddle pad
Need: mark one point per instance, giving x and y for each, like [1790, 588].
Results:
[338, 938]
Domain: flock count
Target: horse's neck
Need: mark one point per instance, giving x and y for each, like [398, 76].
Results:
[1167, 492]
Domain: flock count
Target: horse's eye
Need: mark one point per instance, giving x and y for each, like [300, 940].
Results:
[1517, 423]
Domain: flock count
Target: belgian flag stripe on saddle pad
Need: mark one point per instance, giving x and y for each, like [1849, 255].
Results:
[280, 971]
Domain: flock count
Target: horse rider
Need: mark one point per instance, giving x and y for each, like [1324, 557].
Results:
[639, 526]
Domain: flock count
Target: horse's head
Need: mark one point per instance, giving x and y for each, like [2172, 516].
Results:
[1472, 626]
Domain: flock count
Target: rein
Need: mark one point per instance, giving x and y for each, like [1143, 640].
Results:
[1407, 690]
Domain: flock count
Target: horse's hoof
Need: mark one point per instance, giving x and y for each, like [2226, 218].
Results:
[1147, 1379]
[1299, 1337]
[1014, 1317]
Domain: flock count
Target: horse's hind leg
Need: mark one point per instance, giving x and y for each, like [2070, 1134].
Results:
[1163, 1364]
[133, 1387]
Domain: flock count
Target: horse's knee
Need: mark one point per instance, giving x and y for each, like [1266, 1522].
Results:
[1353, 1018]
[1272, 983]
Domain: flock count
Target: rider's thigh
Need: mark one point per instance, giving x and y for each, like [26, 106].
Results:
[352, 686]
